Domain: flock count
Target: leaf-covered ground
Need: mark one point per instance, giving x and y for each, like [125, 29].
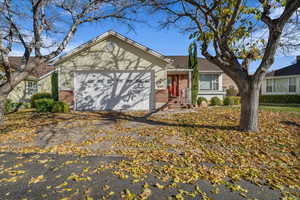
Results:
[165, 155]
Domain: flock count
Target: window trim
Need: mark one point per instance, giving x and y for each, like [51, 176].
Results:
[213, 82]
[273, 85]
[33, 90]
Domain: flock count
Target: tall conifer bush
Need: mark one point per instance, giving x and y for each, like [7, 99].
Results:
[193, 64]
[54, 84]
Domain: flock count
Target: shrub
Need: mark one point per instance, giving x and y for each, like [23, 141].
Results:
[236, 100]
[215, 101]
[280, 99]
[25, 105]
[44, 105]
[37, 96]
[200, 100]
[228, 101]
[61, 107]
[54, 86]
[231, 91]
[9, 106]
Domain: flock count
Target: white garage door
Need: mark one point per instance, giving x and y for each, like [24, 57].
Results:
[113, 90]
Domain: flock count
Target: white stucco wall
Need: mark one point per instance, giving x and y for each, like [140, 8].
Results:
[122, 56]
[264, 85]
[44, 85]
[18, 93]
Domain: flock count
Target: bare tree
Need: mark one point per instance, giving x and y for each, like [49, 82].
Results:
[43, 29]
[232, 33]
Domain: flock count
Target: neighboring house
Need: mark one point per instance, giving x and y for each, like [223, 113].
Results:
[283, 81]
[38, 81]
[112, 72]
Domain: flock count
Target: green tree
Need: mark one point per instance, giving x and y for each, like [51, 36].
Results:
[54, 86]
[193, 64]
[232, 34]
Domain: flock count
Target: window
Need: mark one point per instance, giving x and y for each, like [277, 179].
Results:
[209, 82]
[31, 87]
[281, 85]
[269, 85]
[292, 84]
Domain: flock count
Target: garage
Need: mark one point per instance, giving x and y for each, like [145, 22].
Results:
[114, 90]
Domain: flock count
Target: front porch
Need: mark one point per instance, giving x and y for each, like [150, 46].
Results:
[179, 88]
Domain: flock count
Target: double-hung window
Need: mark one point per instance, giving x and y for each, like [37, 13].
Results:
[31, 87]
[281, 85]
[209, 82]
[292, 84]
[269, 85]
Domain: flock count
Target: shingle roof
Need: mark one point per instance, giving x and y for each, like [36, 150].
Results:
[286, 71]
[15, 62]
[181, 62]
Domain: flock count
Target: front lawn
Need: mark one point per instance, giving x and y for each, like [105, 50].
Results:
[282, 108]
[166, 154]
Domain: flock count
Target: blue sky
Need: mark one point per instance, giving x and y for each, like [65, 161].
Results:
[165, 41]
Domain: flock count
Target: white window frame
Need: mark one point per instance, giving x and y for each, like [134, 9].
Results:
[295, 86]
[289, 85]
[31, 88]
[214, 83]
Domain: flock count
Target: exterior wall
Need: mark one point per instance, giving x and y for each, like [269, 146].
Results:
[119, 56]
[44, 85]
[161, 97]
[66, 96]
[123, 56]
[227, 82]
[264, 85]
[18, 94]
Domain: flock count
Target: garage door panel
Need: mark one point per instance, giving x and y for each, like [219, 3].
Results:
[113, 90]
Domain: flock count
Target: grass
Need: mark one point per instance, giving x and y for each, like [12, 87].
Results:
[285, 109]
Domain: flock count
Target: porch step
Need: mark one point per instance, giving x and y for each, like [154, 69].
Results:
[178, 105]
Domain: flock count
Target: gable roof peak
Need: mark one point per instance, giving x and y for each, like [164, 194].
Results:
[104, 36]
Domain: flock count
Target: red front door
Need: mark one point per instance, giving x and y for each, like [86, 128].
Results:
[173, 85]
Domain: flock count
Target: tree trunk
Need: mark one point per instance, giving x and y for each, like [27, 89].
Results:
[2, 108]
[249, 108]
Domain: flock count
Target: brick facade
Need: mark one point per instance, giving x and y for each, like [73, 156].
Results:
[66, 96]
[161, 96]
[227, 82]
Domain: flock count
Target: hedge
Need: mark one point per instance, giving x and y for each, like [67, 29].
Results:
[215, 101]
[60, 107]
[200, 100]
[231, 91]
[44, 105]
[8, 106]
[280, 99]
[237, 100]
[228, 101]
[37, 96]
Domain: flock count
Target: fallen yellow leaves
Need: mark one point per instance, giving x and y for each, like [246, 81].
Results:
[175, 148]
[37, 179]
